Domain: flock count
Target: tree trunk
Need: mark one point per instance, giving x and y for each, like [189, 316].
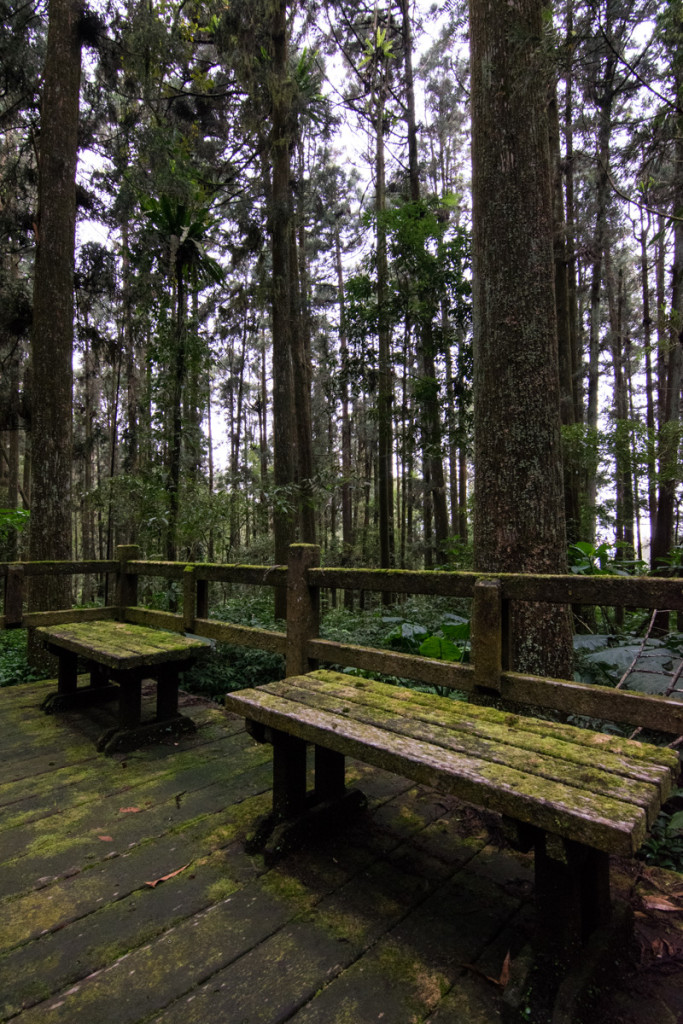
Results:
[434, 479]
[53, 310]
[572, 476]
[519, 504]
[622, 432]
[301, 381]
[284, 418]
[649, 385]
[671, 353]
[176, 415]
[385, 386]
[346, 494]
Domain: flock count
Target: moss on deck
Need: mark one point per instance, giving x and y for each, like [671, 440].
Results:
[126, 895]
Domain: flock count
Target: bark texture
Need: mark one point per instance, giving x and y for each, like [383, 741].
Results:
[52, 336]
[519, 506]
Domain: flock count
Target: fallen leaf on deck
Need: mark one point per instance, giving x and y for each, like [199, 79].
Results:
[659, 903]
[165, 878]
[500, 982]
[106, 839]
[505, 971]
[129, 810]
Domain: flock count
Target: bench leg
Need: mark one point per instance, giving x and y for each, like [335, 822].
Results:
[289, 775]
[167, 695]
[572, 896]
[67, 678]
[329, 774]
[130, 703]
[577, 934]
[98, 676]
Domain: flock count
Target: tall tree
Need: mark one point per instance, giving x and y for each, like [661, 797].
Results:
[671, 353]
[53, 308]
[519, 506]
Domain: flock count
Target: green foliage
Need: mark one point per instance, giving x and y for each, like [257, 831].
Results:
[230, 667]
[664, 845]
[182, 229]
[12, 520]
[674, 560]
[449, 644]
[14, 667]
[460, 556]
[585, 559]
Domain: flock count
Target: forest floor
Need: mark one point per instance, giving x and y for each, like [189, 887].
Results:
[126, 895]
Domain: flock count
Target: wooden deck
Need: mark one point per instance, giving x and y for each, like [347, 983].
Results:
[125, 894]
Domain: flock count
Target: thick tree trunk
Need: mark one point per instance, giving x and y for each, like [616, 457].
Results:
[52, 335]
[671, 368]
[519, 505]
[284, 455]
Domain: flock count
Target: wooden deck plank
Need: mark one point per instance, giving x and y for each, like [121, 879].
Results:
[101, 945]
[601, 822]
[28, 855]
[226, 932]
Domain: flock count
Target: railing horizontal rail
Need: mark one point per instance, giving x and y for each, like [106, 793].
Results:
[629, 591]
[140, 616]
[587, 700]
[59, 568]
[581, 699]
[245, 636]
[637, 592]
[212, 629]
[58, 617]
[407, 666]
[254, 575]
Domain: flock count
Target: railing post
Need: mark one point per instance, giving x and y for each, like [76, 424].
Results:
[127, 582]
[189, 598]
[487, 636]
[14, 595]
[303, 607]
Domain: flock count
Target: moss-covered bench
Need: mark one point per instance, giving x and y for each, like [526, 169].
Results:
[119, 656]
[576, 795]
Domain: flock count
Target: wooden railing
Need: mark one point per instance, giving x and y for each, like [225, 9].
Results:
[489, 673]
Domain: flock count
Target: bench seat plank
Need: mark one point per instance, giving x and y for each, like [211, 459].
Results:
[121, 646]
[598, 821]
[496, 746]
[629, 758]
[634, 752]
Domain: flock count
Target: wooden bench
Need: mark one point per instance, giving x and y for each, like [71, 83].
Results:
[119, 656]
[576, 795]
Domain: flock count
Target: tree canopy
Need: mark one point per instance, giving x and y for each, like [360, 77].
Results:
[272, 280]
